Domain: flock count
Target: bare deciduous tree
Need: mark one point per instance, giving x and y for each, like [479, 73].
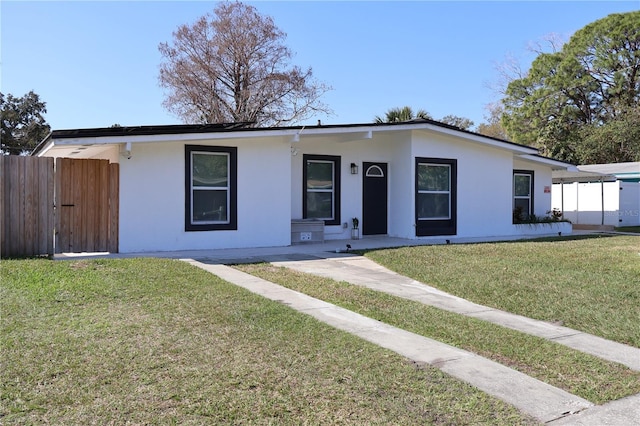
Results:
[548, 43]
[511, 67]
[233, 66]
[493, 126]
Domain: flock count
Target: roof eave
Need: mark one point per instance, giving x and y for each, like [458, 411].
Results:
[142, 134]
[555, 164]
[41, 146]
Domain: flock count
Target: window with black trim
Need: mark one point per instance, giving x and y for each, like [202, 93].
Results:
[522, 195]
[210, 188]
[436, 185]
[321, 187]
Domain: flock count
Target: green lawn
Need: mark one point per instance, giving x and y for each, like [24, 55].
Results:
[592, 378]
[634, 229]
[144, 341]
[589, 284]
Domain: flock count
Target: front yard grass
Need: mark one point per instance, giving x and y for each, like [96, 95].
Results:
[632, 229]
[581, 374]
[144, 341]
[589, 284]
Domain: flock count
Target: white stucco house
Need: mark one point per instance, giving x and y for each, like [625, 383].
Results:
[599, 194]
[187, 187]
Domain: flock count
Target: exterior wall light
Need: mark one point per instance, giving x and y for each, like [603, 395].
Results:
[354, 169]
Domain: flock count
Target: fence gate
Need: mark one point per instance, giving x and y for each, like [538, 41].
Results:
[86, 205]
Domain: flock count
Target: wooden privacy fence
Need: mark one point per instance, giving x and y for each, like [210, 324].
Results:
[72, 208]
[27, 214]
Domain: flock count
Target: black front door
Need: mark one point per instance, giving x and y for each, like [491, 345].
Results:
[374, 199]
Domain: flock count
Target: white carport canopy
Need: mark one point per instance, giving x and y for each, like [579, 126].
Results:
[568, 176]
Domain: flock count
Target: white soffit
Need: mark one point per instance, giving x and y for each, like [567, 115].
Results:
[74, 151]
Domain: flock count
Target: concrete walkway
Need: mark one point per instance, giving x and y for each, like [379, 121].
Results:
[361, 271]
[538, 399]
[623, 412]
[542, 401]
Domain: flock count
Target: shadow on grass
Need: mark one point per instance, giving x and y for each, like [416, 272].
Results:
[362, 252]
[629, 229]
[31, 257]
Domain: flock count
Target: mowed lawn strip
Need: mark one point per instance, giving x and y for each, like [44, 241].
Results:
[588, 284]
[581, 374]
[144, 341]
[633, 229]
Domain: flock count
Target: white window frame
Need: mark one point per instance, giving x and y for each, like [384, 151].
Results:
[226, 188]
[448, 192]
[331, 190]
[529, 197]
[335, 162]
[230, 222]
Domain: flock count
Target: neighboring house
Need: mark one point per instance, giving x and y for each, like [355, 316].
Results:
[221, 186]
[599, 194]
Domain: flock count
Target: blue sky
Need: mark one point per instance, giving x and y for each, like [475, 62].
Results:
[96, 63]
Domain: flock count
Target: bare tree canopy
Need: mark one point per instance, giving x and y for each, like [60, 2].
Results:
[493, 126]
[233, 66]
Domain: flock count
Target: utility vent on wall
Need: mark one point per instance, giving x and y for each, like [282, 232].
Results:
[305, 236]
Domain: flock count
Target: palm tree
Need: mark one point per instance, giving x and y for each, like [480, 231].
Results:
[396, 115]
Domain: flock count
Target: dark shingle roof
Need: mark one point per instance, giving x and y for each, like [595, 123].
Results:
[230, 127]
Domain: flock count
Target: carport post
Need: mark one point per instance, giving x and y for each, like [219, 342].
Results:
[602, 198]
[562, 197]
